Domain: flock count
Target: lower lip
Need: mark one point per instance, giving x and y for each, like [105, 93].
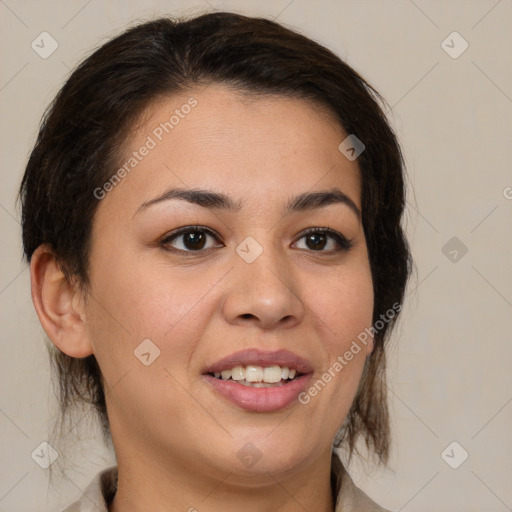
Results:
[259, 399]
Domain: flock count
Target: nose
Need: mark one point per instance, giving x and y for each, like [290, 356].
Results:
[265, 292]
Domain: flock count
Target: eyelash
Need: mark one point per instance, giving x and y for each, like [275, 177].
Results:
[343, 243]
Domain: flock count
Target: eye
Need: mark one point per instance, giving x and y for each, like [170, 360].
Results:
[318, 239]
[189, 239]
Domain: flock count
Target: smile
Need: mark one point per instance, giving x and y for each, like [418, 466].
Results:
[259, 381]
[258, 376]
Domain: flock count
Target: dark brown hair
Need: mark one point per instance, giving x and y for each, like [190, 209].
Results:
[80, 142]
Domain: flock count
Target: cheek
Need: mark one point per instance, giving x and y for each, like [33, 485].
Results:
[342, 304]
[170, 309]
[343, 308]
[134, 301]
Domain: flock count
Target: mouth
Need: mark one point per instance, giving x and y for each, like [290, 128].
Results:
[259, 381]
[258, 376]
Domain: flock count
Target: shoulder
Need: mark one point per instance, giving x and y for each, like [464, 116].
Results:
[75, 507]
[349, 497]
[98, 494]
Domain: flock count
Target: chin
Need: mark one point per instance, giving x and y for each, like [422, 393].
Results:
[261, 455]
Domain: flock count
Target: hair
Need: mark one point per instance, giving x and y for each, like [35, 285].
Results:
[82, 133]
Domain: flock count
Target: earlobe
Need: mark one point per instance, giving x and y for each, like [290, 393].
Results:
[58, 305]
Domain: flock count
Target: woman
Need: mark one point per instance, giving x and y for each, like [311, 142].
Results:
[212, 219]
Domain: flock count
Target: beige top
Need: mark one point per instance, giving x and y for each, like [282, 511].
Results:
[100, 493]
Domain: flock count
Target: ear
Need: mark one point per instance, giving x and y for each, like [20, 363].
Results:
[58, 304]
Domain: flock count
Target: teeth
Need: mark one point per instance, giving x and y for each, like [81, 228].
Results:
[272, 374]
[237, 373]
[260, 384]
[253, 375]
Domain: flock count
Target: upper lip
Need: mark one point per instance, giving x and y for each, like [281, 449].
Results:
[259, 357]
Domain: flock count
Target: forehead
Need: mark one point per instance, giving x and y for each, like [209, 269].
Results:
[262, 147]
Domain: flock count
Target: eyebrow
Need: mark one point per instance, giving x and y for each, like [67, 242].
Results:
[219, 201]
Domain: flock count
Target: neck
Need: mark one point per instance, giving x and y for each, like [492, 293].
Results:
[144, 484]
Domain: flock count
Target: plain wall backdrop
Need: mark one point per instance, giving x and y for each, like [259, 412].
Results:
[449, 360]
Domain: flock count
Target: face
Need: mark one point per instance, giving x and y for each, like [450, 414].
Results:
[239, 284]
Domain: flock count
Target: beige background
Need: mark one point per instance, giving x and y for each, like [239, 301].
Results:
[450, 359]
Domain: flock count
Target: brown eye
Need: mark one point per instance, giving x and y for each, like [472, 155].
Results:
[316, 241]
[194, 240]
[189, 239]
[325, 240]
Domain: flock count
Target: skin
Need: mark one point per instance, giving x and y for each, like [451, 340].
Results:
[176, 439]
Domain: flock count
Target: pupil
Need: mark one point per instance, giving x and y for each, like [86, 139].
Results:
[194, 240]
[315, 243]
